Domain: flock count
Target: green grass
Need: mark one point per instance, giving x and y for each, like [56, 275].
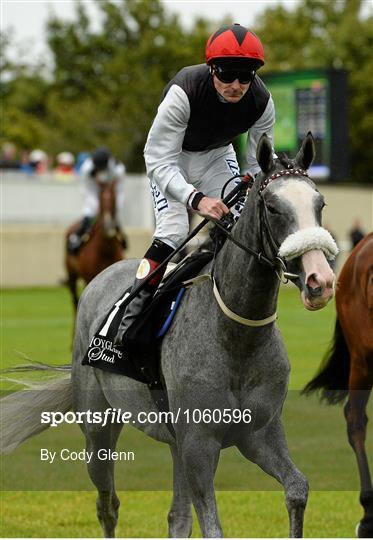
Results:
[143, 514]
[38, 323]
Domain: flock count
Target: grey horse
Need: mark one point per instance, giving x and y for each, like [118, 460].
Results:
[223, 352]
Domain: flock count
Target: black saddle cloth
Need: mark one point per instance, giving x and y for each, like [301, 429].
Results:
[140, 358]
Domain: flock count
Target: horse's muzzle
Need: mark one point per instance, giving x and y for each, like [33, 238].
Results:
[319, 280]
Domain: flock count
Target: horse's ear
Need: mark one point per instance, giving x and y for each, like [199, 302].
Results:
[307, 152]
[264, 154]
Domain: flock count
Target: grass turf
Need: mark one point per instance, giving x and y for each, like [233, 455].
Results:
[38, 322]
[143, 514]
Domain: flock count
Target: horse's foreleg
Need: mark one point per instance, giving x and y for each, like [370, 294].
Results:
[180, 514]
[268, 449]
[356, 418]
[200, 454]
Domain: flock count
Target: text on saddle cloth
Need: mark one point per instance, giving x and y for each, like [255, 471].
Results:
[142, 338]
[140, 359]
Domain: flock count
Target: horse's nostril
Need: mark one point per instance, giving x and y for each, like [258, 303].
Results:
[315, 285]
[313, 282]
[314, 291]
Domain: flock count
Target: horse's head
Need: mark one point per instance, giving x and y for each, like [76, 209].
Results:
[107, 208]
[290, 213]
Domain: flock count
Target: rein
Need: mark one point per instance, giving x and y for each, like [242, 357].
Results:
[293, 246]
[260, 257]
[229, 200]
[265, 226]
[277, 263]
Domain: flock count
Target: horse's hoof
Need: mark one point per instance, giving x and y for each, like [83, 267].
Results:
[364, 530]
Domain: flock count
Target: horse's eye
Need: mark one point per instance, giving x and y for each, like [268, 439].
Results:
[321, 206]
[272, 209]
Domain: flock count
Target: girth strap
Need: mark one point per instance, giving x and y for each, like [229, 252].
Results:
[225, 309]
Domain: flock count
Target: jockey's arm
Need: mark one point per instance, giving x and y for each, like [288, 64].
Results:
[119, 172]
[163, 148]
[119, 175]
[265, 124]
[164, 145]
[90, 202]
[119, 179]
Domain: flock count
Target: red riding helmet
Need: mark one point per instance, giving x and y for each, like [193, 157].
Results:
[234, 42]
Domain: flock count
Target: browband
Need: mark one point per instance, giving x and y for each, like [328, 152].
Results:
[278, 174]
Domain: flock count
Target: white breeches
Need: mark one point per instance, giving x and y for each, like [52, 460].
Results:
[207, 171]
[91, 197]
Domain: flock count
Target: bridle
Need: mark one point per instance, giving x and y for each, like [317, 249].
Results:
[294, 245]
[265, 227]
[277, 263]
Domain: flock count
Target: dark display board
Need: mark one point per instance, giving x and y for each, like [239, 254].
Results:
[316, 101]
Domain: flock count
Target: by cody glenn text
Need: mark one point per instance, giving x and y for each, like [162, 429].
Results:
[103, 454]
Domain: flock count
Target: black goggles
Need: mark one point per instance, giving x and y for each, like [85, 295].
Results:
[227, 76]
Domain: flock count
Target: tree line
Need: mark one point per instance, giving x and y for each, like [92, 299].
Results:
[104, 85]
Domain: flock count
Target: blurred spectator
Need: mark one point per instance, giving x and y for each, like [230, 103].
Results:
[356, 233]
[82, 157]
[38, 161]
[65, 166]
[25, 165]
[8, 156]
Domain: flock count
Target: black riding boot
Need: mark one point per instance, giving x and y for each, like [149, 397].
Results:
[134, 308]
[156, 254]
[76, 238]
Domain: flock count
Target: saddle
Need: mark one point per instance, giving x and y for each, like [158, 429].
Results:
[141, 358]
[78, 235]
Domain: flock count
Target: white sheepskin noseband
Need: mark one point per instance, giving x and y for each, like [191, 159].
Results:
[306, 239]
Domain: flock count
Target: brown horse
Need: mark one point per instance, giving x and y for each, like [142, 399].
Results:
[348, 367]
[103, 247]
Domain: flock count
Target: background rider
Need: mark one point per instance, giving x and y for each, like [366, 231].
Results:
[100, 167]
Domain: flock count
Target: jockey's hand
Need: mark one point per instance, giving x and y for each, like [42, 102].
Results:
[210, 207]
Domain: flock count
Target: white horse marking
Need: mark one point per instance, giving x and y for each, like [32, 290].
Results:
[301, 196]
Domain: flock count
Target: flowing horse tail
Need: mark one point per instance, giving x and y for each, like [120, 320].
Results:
[20, 412]
[331, 381]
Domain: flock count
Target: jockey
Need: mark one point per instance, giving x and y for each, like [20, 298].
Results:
[189, 154]
[100, 167]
